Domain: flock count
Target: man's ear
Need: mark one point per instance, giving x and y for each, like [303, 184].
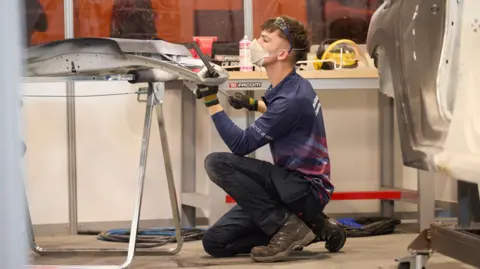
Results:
[283, 55]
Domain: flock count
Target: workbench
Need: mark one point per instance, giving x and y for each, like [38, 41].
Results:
[366, 78]
[214, 202]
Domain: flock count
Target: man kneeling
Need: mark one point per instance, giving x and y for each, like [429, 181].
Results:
[279, 206]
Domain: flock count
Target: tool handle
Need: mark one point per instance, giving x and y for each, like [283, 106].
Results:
[211, 71]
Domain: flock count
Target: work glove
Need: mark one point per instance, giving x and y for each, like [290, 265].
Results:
[206, 79]
[240, 100]
[209, 94]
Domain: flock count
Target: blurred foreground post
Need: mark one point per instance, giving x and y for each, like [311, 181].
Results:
[13, 251]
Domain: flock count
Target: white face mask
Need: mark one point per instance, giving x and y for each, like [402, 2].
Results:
[257, 53]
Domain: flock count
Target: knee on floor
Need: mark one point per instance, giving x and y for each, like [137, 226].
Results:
[213, 246]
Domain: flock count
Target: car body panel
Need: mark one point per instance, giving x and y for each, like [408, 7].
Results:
[109, 56]
[417, 47]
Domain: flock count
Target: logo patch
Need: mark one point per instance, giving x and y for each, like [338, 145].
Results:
[247, 84]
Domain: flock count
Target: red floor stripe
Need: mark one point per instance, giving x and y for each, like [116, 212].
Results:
[354, 195]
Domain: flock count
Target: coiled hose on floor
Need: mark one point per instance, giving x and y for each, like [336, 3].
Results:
[147, 238]
[369, 226]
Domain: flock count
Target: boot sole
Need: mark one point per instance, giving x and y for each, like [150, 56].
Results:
[342, 245]
[282, 255]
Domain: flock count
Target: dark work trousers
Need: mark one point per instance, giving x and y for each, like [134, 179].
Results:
[266, 196]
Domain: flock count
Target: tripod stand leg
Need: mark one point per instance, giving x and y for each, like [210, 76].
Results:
[141, 177]
[170, 179]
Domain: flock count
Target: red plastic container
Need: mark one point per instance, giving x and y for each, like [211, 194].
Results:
[205, 43]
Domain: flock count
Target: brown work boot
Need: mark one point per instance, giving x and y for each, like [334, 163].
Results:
[329, 230]
[294, 234]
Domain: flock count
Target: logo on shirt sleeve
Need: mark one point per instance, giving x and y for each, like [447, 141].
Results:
[262, 133]
[316, 105]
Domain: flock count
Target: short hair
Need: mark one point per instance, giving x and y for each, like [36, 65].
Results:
[297, 35]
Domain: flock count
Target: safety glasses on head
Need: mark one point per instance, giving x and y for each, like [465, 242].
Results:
[258, 53]
[283, 26]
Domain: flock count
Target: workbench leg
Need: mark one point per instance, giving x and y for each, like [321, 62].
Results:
[188, 153]
[426, 199]
[386, 129]
[188, 162]
[72, 160]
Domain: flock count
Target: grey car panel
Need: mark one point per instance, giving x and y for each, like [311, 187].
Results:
[107, 56]
[405, 39]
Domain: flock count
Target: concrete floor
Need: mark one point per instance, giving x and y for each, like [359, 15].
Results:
[359, 253]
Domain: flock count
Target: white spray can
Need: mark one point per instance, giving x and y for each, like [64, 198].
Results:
[245, 63]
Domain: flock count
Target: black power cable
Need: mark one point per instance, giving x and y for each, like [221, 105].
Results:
[147, 238]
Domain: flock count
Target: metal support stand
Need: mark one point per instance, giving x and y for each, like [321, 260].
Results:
[459, 241]
[386, 128]
[72, 160]
[71, 133]
[426, 198]
[420, 251]
[248, 18]
[154, 100]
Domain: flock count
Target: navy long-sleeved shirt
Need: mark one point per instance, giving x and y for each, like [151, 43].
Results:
[292, 125]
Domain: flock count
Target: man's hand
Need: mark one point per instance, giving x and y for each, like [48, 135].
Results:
[240, 100]
[207, 79]
[209, 94]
